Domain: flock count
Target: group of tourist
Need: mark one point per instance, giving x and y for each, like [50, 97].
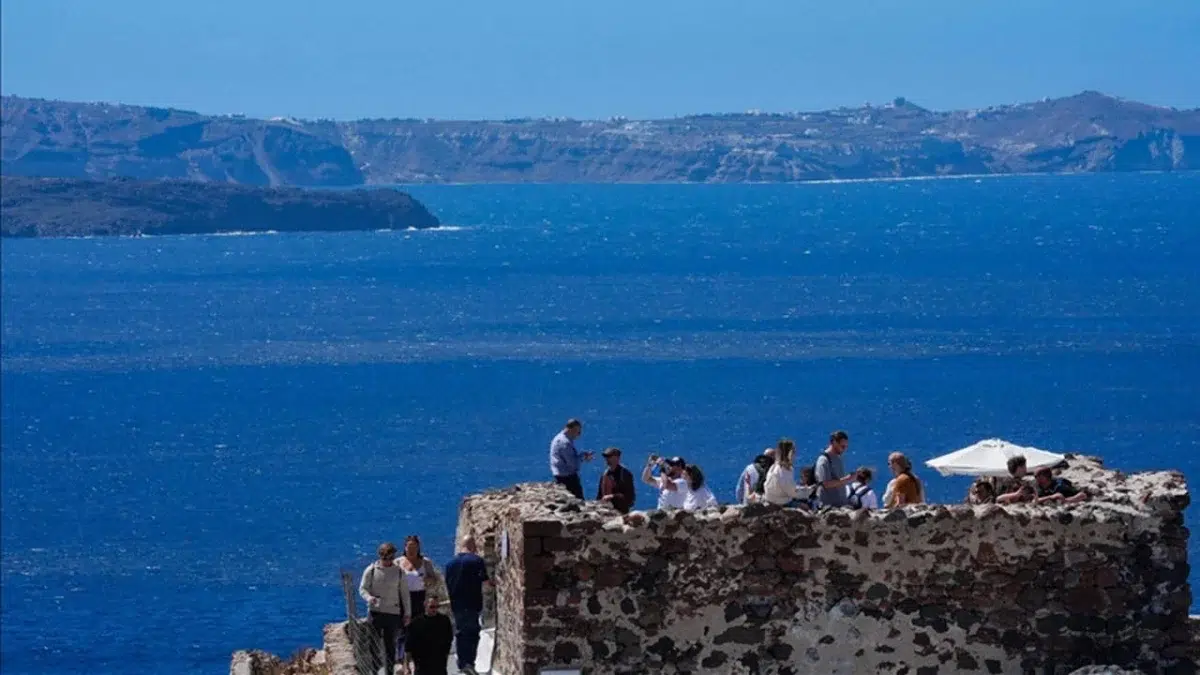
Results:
[769, 479]
[1045, 489]
[394, 587]
[403, 590]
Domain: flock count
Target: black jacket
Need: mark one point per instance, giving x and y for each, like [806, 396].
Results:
[618, 482]
[427, 641]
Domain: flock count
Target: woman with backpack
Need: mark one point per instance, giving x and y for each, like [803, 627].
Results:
[862, 495]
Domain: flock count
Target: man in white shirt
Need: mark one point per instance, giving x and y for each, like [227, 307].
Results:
[670, 483]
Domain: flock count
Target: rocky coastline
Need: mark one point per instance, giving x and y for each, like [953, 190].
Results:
[67, 207]
[1087, 132]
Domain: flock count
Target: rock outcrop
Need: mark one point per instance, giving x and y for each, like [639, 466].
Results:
[57, 207]
[925, 589]
[304, 662]
[1086, 132]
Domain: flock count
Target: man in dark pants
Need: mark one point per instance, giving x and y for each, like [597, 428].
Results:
[428, 640]
[565, 459]
[465, 577]
[616, 484]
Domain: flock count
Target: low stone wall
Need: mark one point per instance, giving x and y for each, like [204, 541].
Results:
[1195, 625]
[336, 658]
[921, 590]
[500, 521]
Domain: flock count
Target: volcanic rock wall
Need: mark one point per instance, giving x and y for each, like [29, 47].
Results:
[923, 590]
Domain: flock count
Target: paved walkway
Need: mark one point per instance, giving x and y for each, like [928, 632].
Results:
[483, 658]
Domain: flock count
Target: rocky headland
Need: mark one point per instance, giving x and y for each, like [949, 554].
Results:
[1099, 587]
[66, 207]
[1088, 132]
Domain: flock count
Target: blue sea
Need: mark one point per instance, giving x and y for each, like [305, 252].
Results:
[199, 432]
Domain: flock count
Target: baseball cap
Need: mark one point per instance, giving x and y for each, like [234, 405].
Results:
[676, 461]
[609, 452]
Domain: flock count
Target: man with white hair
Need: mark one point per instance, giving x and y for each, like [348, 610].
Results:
[753, 474]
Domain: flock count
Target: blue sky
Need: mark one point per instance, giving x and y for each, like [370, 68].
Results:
[586, 59]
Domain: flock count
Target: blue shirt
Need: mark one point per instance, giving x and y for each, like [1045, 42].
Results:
[564, 458]
[464, 581]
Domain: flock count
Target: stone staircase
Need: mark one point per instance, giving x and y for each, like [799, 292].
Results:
[338, 657]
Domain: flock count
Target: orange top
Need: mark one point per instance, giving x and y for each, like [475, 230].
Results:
[906, 487]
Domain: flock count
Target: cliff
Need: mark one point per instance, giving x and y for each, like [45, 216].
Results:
[1086, 132]
[58, 207]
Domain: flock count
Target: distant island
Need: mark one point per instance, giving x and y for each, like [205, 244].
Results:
[65, 207]
[1088, 132]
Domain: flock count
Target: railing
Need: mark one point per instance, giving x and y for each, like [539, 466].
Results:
[367, 643]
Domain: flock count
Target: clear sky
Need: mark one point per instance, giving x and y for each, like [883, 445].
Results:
[591, 59]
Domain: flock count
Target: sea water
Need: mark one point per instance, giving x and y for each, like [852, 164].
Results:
[199, 432]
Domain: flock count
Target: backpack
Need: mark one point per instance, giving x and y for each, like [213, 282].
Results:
[857, 494]
[760, 485]
[813, 467]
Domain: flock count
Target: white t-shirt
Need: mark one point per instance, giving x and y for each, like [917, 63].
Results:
[416, 578]
[672, 499]
[697, 500]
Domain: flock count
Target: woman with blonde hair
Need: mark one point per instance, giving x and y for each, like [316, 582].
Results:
[905, 488]
[779, 485]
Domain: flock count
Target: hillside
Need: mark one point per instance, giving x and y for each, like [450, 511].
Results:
[57, 207]
[1086, 132]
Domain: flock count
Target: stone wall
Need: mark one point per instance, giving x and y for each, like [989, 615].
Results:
[335, 658]
[927, 589]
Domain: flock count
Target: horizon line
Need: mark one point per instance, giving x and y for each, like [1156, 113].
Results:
[893, 102]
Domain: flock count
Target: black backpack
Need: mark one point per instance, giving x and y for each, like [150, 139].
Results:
[856, 495]
[813, 467]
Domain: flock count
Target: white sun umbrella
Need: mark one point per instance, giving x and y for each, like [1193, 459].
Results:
[990, 458]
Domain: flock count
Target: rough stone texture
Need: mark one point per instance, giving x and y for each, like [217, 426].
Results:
[1195, 625]
[304, 662]
[339, 651]
[253, 662]
[927, 589]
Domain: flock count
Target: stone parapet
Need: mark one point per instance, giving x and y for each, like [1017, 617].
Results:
[921, 590]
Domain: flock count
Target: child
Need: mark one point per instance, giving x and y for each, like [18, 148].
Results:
[862, 496]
